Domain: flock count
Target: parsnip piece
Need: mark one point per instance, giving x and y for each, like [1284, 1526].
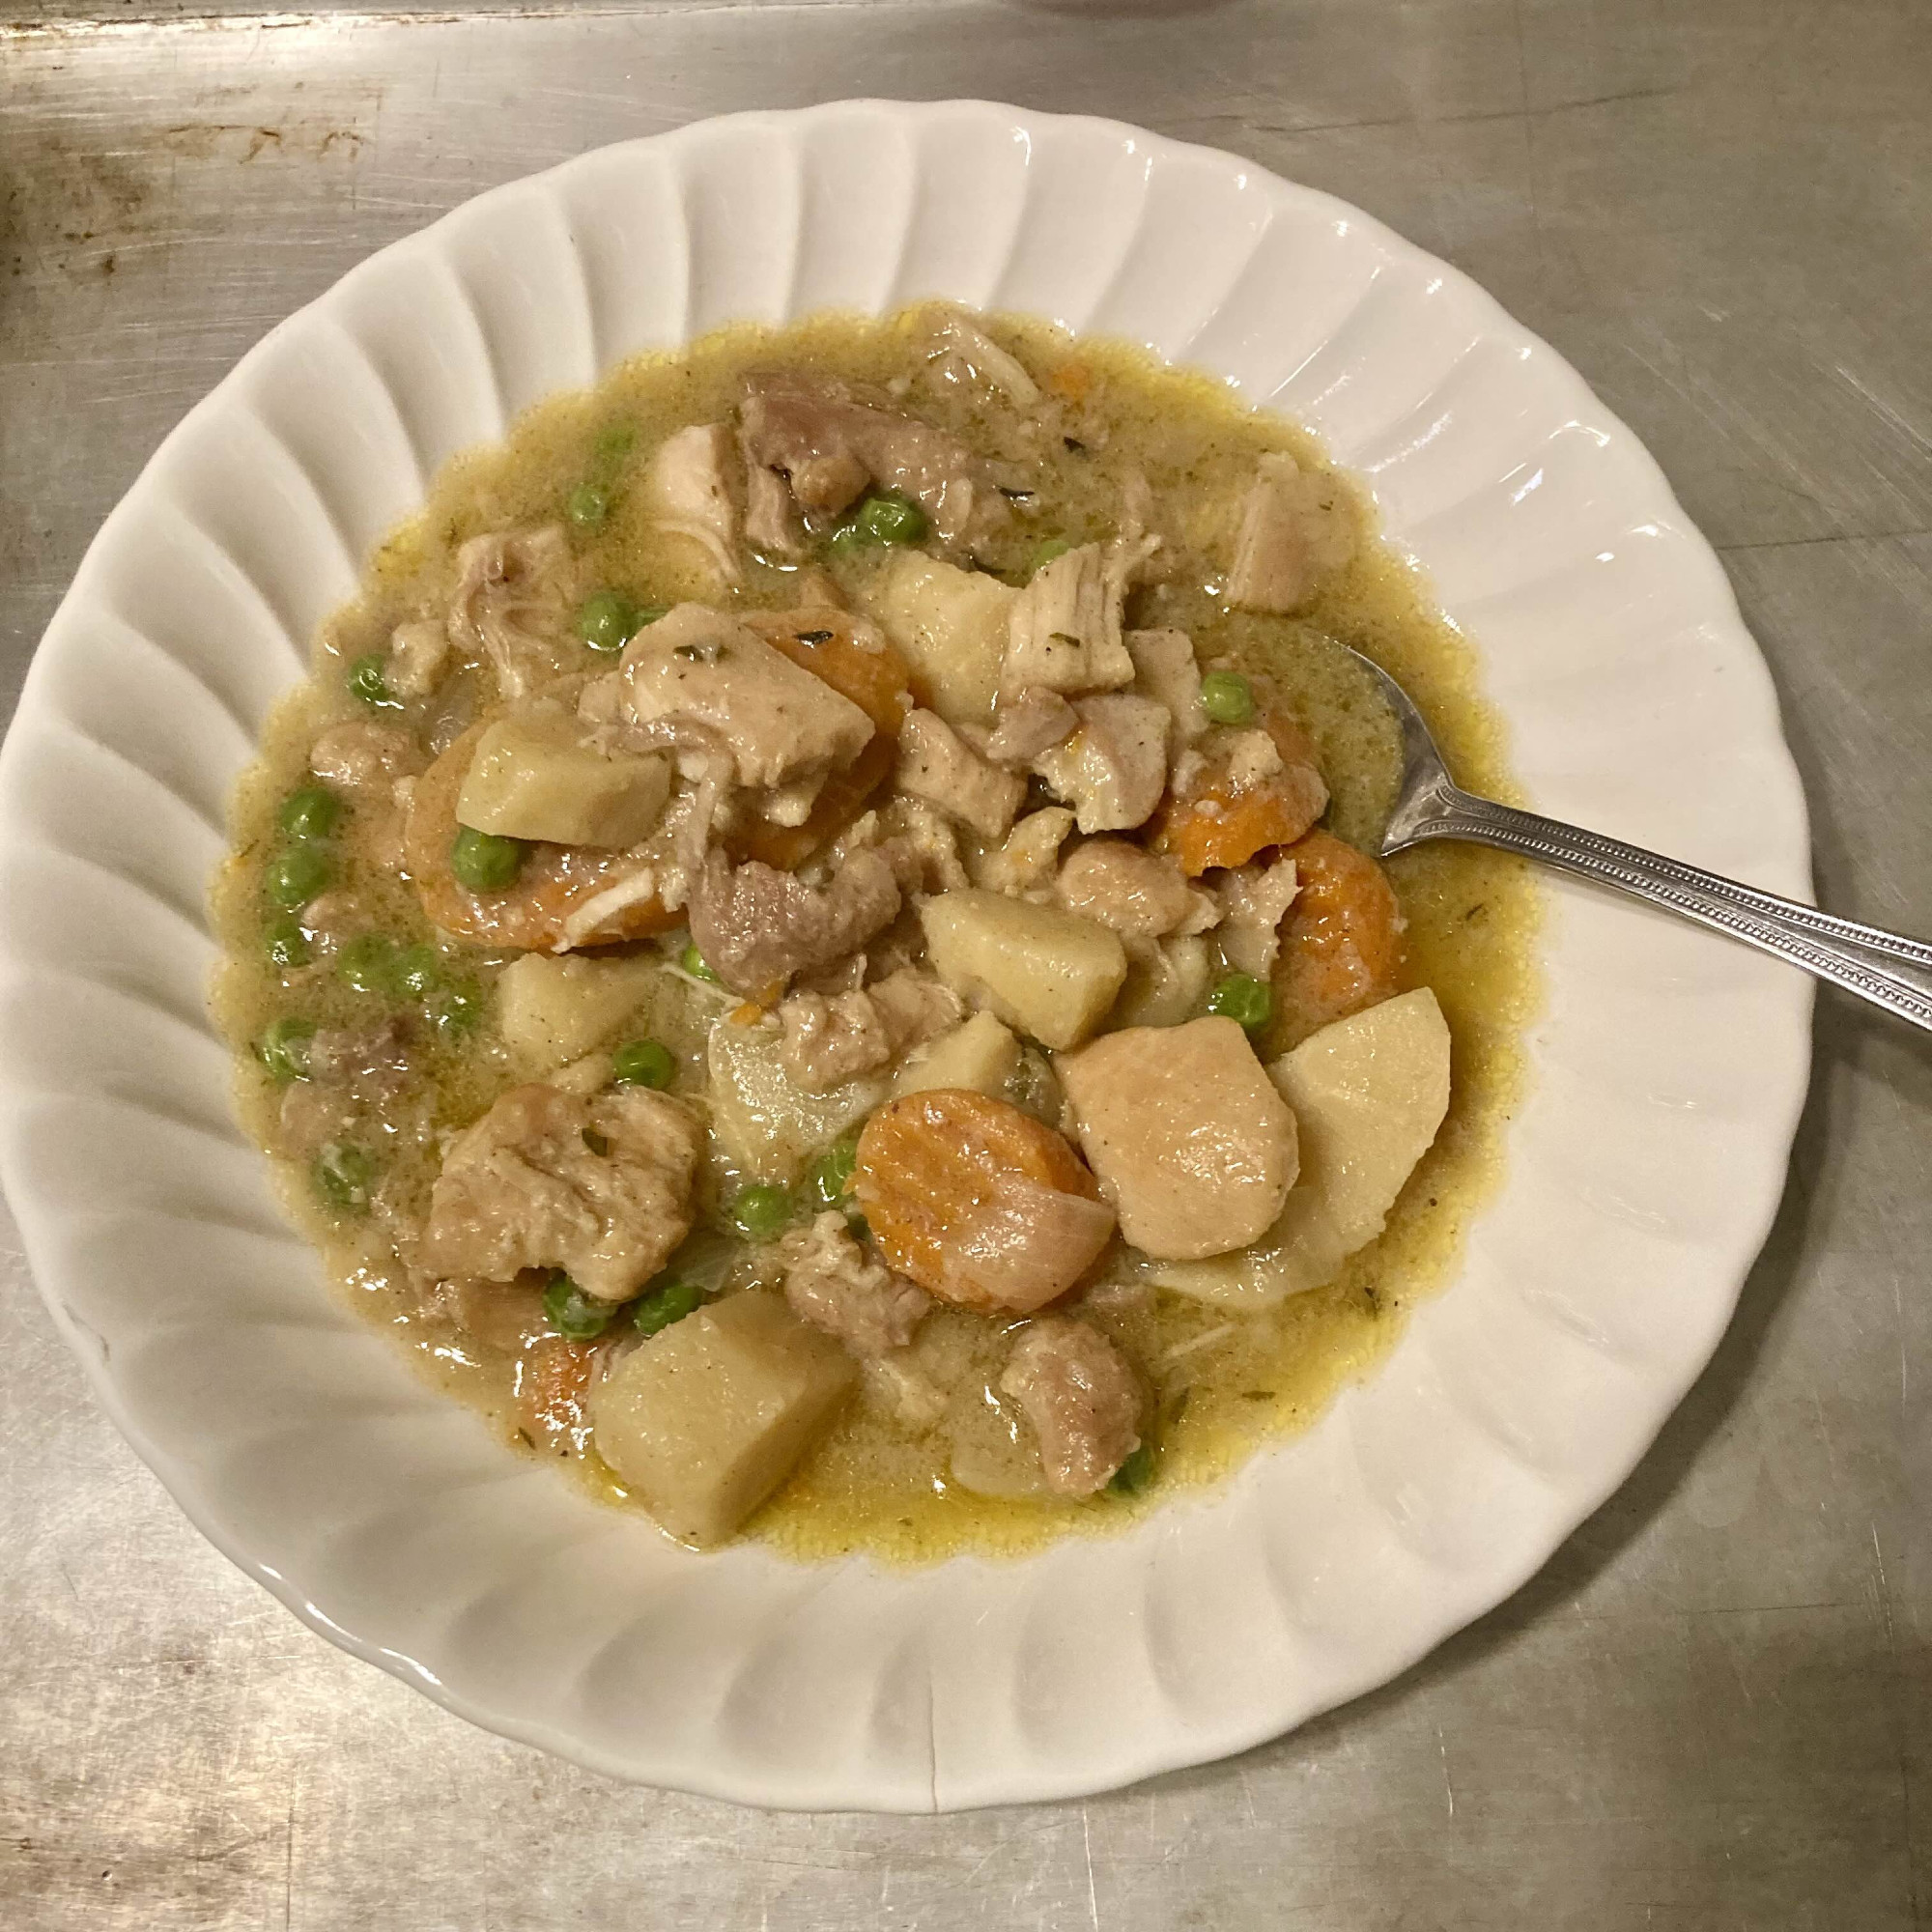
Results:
[981, 1055]
[553, 1009]
[1369, 1093]
[765, 1122]
[534, 777]
[1045, 972]
[709, 1417]
[951, 624]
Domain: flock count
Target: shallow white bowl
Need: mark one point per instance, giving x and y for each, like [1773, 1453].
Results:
[1643, 1171]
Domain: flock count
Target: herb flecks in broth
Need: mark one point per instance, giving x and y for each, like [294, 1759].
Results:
[765, 857]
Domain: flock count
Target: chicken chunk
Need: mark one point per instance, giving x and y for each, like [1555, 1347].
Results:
[937, 765]
[831, 443]
[929, 845]
[1025, 863]
[756, 927]
[1113, 769]
[831, 1282]
[365, 759]
[770, 517]
[1141, 894]
[514, 591]
[601, 1189]
[786, 731]
[1064, 633]
[686, 494]
[1028, 722]
[963, 352]
[1296, 530]
[1080, 1396]
[417, 654]
[1254, 902]
[347, 1075]
[1165, 671]
[831, 1039]
[1189, 1139]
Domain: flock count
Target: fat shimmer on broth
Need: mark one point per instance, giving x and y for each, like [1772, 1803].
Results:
[1222, 1383]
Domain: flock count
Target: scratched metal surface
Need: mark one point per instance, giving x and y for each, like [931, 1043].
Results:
[1711, 1710]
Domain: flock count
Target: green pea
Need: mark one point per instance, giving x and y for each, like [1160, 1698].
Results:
[366, 681]
[587, 507]
[608, 621]
[416, 972]
[762, 1210]
[575, 1316]
[693, 962]
[285, 942]
[293, 877]
[368, 962]
[849, 539]
[342, 1173]
[669, 1302]
[1240, 996]
[284, 1049]
[643, 1063]
[312, 813]
[456, 1011]
[485, 863]
[1052, 548]
[893, 519]
[649, 614]
[1228, 698]
[1135, 1473]
[825, 1181]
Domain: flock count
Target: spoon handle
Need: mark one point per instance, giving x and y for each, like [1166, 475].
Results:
[1885, 968]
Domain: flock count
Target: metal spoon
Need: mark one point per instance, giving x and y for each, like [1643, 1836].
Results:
[1885, 968]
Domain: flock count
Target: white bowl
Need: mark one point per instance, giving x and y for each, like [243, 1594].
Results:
[1643, 1171]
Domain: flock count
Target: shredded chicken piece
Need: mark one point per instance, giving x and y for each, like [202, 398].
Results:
[417, 654]
[830, 444]
[1253, 757]
[351, 1073]
[687, 493]
[1140, 895]
[1063, 631]
[831, 1038]
[830, 1282]
[1026, 862]
[1114, 769]
[365, 759]
[897, 1381]
[600, 1188]
[1165, 671]
[930, 845]
[786, 731]
[1027, 724]
[514, 590]
[1254, 902]
[1296, 530]
[756, 927]
[1081, 1398]
[960, 345]
[772, 525]
[936, 764]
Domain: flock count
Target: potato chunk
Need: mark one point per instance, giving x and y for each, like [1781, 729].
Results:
[764, 1119]
[534, 777]
[708, 1418]
[950, 623]
[981, 1056]
[553, 1008]
[1369, 1093]
[1046, 972]
[1193, 1146]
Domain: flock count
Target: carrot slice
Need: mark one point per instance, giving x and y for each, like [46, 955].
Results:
[1217, 825]
[1342, 942]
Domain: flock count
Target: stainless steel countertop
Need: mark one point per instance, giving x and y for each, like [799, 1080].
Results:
[1711, 1710]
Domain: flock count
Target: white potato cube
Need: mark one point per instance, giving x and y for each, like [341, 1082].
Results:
[766, 1123]
[710, 1417]
[951, 624]
[981, 1056]
[534, 777]
[1046, 972]
[1368, 1094]
[553, 1008]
